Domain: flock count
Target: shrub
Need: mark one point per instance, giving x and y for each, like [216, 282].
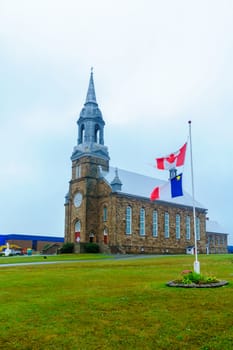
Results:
[189, 277]
[67, 248]
[91, 248]
[192, 277]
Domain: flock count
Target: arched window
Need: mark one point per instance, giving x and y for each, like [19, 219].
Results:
[78, 171]
[128, 227]
[198, 228]
[177, 226]
[155, 223]
[105, 214]
[78, 226]
[187, 227]
[82, 130]
[142, 222]
[166, 225]
[97, 134]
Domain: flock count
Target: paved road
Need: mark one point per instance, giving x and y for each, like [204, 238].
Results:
[112, 258]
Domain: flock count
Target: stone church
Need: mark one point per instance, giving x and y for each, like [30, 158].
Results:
[112, 207]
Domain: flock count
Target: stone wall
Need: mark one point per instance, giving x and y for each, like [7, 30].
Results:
[216, 243]
[97, 195]
[134, 242]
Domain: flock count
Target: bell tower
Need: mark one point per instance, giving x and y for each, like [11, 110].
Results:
[89, 158]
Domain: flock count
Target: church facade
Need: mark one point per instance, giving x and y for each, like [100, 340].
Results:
[112, 207]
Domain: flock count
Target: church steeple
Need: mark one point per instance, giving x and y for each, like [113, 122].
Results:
[90, 159]
[91, 90]
[90, 127]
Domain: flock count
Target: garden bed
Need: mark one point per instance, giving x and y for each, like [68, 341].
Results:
[196, 285]
[191, 279]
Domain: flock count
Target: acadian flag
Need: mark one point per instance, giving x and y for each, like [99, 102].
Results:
[173, 160]
[175, 188]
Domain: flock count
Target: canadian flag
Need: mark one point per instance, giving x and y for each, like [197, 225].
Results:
[173, 160]
[160, 191]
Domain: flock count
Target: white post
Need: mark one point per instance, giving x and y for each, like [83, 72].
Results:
[196, 264]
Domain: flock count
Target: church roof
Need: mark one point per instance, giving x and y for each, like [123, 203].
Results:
[214, 227]
[141, 186]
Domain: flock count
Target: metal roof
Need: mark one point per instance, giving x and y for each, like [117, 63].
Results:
[141, 186]
[214, 227]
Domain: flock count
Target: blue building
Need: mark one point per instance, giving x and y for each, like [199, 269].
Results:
[35, 242]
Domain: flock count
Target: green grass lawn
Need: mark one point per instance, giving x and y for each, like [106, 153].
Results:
[115, 304]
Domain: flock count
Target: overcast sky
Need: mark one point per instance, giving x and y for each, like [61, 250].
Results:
[157, 64]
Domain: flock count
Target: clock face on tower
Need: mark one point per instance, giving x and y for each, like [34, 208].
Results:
[78, 199]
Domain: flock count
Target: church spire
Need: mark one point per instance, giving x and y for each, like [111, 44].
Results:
[116, 183]
[90, 127]
[91, 90]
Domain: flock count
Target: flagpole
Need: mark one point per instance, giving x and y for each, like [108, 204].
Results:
[196, 264]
